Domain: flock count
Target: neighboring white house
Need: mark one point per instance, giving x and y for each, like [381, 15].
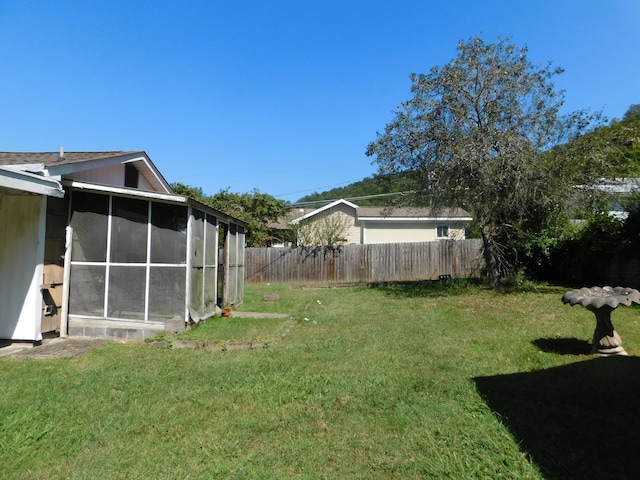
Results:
[368, 225]
[97, 244]
[617, 190]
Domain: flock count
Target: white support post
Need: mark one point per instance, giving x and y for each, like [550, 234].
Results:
[64, 315]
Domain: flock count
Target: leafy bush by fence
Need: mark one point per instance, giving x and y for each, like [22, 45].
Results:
[388, 262]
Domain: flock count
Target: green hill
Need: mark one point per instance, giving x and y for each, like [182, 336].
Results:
[620, 140]
[371, 191]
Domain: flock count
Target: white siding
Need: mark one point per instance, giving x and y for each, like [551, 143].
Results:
[397, 232]
[112, 175]
[21, 265]
[347, 215]
[404, 232]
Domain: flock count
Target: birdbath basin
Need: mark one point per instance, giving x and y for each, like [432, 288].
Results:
[602, 301]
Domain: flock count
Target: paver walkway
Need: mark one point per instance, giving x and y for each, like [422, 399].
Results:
[71, 347]
[53, 348]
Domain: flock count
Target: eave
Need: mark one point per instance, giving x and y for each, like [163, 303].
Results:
[20, 181]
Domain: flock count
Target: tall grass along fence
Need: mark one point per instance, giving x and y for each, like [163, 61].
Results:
[388, 262]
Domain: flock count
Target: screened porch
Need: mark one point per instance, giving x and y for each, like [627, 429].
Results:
[137, 262]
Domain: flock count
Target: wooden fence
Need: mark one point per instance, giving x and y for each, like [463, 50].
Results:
[391, 262]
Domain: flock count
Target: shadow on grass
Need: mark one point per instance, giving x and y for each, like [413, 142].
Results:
[563, 346]
[430, 288]
[458, 286]
[576, 421]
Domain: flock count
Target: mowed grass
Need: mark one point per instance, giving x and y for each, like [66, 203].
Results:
[410, 381]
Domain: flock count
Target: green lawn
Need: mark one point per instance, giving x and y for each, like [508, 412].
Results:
[407, 382]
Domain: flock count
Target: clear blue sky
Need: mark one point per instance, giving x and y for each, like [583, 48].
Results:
[282, 96]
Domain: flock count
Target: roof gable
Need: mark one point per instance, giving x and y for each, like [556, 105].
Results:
[324, 208]
[57, 164]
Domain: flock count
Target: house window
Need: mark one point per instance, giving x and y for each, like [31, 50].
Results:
[442, 231]
[130, 176]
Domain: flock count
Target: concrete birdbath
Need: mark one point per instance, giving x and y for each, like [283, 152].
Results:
[602, 301]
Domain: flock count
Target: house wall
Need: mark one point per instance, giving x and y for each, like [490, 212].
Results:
[112, 175]
[396, 232]
[347, 214]
[21, 259]
[406, 232]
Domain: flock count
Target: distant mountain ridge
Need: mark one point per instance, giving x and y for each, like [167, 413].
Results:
[621, 139]
[370, 191]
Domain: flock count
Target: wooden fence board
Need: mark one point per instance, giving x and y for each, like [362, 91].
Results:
[364, 263]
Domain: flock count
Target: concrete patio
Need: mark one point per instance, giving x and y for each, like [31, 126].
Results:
[51, 348]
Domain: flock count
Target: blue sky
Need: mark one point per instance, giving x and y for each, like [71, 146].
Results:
[282, 96]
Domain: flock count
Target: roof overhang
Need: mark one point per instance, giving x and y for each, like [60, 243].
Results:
[326, 207]
[145, 166]
[415, 219]
[160, 197]
[16, 180]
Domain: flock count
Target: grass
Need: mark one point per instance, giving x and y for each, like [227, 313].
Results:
[408, 381]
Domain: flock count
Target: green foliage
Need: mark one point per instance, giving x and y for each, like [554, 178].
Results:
[478, 134]
[631, 226]
[192, 192]
[533, 241]
[581, 254]
[257, 209]
[632, 111]
[617, 146]
[579, 257]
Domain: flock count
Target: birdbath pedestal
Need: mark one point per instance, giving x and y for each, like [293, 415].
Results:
[602, 301]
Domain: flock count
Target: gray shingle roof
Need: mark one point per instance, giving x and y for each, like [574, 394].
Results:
[411, 212]
[53, 158]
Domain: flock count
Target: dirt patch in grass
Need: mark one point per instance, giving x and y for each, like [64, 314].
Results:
[211, 347]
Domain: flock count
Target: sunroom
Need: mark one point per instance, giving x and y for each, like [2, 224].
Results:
[141, 262]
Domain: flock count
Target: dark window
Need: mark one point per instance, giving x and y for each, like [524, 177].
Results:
[130, 176]
[442, 231]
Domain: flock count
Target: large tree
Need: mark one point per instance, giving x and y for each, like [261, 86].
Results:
[479, 133]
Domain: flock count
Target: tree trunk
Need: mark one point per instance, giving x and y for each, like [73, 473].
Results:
[490, 252]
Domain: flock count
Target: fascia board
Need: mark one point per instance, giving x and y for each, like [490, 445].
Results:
[125, 192]
[30, 182]
[65, 169]
[415, 219]
[154, 171]
[165, 197]
[26, 167]
[322, 209]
